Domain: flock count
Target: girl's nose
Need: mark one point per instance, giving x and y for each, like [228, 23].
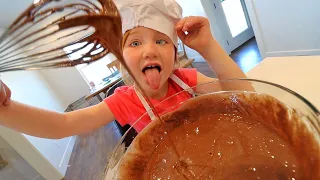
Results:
[149, 51]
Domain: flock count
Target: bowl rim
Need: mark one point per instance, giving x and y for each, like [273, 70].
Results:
[307, 102]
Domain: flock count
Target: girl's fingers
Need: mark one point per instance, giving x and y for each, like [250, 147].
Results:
[184, 24]
[180, 28]
[2, 94]
[8, 95]
[181, 35]
[190, 23]
[194, 23]
[181, 23]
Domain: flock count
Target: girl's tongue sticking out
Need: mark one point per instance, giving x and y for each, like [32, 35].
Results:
[152, 76]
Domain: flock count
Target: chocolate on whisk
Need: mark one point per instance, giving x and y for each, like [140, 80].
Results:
[48, 32]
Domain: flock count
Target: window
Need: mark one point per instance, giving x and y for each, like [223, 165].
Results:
[94, 72]
[235, 16]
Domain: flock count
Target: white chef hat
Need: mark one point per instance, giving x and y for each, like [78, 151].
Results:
[159, 15]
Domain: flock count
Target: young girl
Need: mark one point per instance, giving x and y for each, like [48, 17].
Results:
[151, 29]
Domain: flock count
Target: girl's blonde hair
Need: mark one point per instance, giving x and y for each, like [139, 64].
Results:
[127, 79]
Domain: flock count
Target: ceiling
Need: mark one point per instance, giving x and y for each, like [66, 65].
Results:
[10, 9]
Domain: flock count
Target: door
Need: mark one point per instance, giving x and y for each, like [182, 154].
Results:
[234, 22]
[286, 28]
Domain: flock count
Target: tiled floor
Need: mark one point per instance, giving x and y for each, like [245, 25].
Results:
[92, 150]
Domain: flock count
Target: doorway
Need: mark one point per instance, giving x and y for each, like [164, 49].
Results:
[233, 20]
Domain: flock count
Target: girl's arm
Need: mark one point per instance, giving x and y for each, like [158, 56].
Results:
[220, 62]
[49, 124]
[199, 38]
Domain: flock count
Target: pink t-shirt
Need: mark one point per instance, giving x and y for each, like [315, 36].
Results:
[127, 107]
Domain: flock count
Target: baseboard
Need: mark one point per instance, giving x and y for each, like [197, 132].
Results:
[63, 166]
[30, 154]
[311, 52]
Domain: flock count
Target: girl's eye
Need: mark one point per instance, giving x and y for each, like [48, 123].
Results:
[161, 41]
[135, 43]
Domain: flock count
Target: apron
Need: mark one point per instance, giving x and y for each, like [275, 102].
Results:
[177, 80]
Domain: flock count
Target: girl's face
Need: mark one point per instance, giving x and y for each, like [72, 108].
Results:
[150, 55]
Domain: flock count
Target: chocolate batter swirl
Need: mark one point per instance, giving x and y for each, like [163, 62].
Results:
[228, 135]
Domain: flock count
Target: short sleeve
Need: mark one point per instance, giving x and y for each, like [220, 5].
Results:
[117, 107]
[187, 75]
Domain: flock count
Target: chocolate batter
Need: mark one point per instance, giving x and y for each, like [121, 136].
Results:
[225, 136]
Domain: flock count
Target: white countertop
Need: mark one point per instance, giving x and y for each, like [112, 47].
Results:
[300, 74]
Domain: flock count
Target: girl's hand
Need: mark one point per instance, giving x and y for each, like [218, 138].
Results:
[194, 31]
[5, 94]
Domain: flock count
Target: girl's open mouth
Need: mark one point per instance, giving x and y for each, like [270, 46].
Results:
[152, 75]
[151, 67]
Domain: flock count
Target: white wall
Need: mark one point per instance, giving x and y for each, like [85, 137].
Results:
[9, 10]
[192, 8]
[286, 28]
[67, 83]
[201, 8]
[31, 88]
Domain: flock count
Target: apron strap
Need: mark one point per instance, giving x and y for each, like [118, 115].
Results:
[145, 105]
[177, 80]
[183, 85]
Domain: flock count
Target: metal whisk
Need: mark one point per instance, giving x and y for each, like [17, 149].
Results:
[61, 33]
